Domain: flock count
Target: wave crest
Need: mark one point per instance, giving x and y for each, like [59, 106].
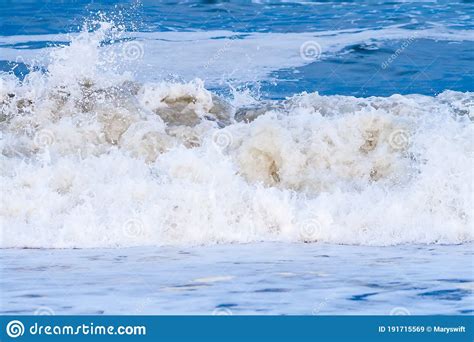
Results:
[83, 151]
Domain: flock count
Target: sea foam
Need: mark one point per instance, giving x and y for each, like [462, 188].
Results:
[90, 157]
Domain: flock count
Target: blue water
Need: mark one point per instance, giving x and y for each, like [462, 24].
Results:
[266, 278]
[242, 16]
[426, 66]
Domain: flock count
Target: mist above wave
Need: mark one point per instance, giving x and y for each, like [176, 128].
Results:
[92, 158]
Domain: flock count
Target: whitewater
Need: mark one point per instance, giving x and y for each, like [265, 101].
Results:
[94, 156]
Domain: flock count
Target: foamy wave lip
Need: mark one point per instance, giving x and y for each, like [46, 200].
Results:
[255, 54]
[92, 158]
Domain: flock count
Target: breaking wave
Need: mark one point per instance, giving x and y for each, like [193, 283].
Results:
[92, 158]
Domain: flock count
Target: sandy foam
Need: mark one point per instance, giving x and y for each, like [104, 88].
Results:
[92, 158]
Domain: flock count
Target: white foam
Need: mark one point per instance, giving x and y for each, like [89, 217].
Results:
[91, 158]
[217, 56]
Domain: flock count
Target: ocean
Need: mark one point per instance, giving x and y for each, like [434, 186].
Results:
[211, 157]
